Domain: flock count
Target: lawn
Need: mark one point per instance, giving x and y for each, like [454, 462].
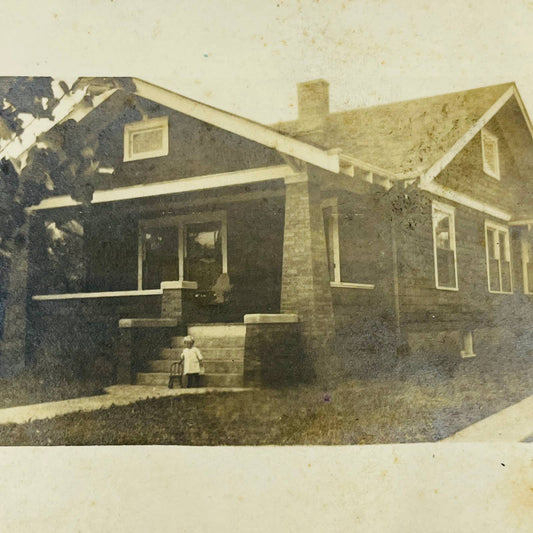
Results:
[32, 387]
[416, 409]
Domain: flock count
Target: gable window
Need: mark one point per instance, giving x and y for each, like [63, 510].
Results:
[147, 138]
[350, 254]
[527, 260]
[491, 160]
[444, 249]
[498, 251]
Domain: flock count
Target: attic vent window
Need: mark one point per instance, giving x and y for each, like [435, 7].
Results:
[147, 138]
[491, 161]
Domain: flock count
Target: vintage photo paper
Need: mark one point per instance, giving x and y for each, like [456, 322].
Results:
[291, 225]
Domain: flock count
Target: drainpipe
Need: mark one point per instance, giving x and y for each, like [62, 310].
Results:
[402, 346]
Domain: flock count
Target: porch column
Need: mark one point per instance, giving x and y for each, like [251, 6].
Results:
[176, 301]
[13, 343]
[305, 284]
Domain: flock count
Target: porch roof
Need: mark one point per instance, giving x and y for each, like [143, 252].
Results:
[183, 185]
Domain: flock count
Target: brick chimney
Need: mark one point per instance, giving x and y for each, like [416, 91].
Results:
[313, 104]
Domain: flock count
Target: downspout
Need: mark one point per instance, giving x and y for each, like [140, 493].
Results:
[395, 278]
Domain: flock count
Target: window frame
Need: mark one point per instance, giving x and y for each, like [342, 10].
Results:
[487, 135]
[181, 221]
[450, 211]
[494, 226]
[143, 126]
[332, 203]
[526, 253]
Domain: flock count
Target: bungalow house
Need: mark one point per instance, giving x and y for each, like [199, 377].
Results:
[334, 242]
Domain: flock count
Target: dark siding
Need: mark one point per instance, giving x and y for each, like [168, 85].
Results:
[422, 305]
[195, 149]
[255, 252]
[465, 173]
[364, 313]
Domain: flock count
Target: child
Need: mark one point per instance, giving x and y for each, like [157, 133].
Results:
[192, 362]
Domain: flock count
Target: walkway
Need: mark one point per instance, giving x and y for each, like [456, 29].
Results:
[116, 395]
[513, 424]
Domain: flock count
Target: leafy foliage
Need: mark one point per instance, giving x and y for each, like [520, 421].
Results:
[21, 95]
[61, 162]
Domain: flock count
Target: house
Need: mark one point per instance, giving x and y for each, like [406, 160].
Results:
[332, 243]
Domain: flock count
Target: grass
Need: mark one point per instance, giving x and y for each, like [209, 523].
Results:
[424, 408]
[31, 387]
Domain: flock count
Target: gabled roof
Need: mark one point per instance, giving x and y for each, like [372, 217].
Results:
[414, 138]
[76, 107]
[406, 138]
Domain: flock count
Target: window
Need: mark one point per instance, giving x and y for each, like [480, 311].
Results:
[190, 248]
[489, 148]
[444, 250]
[527, 260]
[498, 250]
[147, 138]
[350, 247]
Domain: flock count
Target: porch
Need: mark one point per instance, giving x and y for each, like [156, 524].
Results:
[208, 250]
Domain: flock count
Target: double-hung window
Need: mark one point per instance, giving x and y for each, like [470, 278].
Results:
[527, 260]
[498, 249]
[444, 249]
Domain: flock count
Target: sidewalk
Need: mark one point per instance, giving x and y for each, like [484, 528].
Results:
[116, 395]
[513, 424]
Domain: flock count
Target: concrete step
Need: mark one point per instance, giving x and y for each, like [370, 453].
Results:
[177, 342]
[218, 353]
[210, 342]
[217, 330]
[208, 380]
[211, 367]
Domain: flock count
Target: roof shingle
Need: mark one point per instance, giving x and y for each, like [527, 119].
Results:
[404, 137]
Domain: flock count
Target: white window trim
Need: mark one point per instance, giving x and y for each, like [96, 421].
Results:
[489, 224]
[334, 239]
[143, 125]
[486, 167]
[448, 210]
[526, 253]
[180, 221]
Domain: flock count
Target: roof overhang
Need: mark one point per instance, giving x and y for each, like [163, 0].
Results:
[241, 126]
[177, 186]
[74, 106]
[430, 174]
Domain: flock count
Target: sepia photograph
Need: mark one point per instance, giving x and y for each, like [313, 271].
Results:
[281, 224]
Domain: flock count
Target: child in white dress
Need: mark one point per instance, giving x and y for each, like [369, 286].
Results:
[192, 361]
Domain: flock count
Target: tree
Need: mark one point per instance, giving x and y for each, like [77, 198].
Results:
[61, 162]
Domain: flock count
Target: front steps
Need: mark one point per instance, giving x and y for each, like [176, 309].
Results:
[222, 347]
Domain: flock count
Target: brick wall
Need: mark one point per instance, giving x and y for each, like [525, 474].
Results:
[82, 334]
[305, 288]
[273, 356]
